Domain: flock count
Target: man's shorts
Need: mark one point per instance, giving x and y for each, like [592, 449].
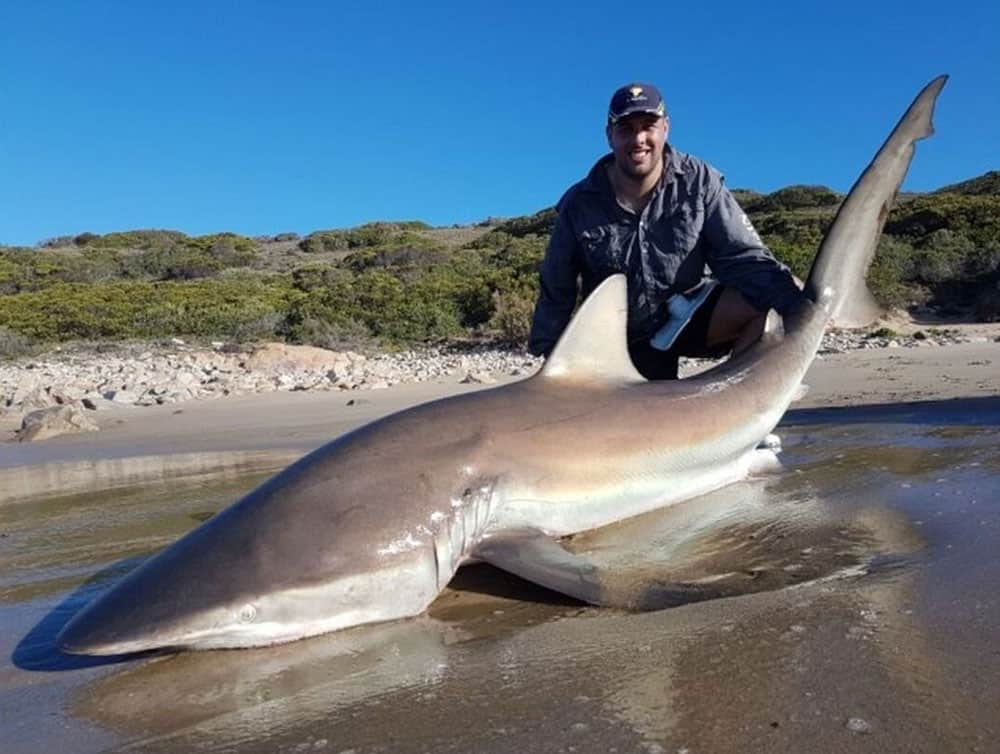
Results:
[654, 364]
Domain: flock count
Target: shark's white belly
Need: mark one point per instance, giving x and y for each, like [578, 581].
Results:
[578, 504]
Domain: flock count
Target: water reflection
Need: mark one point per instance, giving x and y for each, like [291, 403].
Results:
[253, 692]
[37, 651]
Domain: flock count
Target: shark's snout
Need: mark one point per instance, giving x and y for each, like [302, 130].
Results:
[108, 627]
[79, 639]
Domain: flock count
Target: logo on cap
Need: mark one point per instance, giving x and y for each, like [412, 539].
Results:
[635, 98]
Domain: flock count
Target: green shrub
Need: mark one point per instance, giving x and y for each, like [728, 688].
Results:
[198, 258]
[518, 258]
[400, 313]
[365, 236]
[186, 264]
[140, 239]
[974, 217]
[269, 326]
[942, 256]
[512, 315]
[312, 277]
[890, 278]
[85, 238]
[797, 197]
[403, 258]
[539, 224]
[230, 243]
[340, 335]
[160, 255]
[134, 310]
[748, 199]
[797, 256]
[987, 304]
[14, 345]
[33, 269]
[883, 332]
[988, 183]
[57, 242]
[802, 229]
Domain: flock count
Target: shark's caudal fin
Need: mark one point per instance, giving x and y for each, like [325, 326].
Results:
[594, 346]
[849, 246]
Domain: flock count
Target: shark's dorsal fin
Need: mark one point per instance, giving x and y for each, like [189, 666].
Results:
[594, 345]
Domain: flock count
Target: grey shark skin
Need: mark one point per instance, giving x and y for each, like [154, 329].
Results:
[372, 526]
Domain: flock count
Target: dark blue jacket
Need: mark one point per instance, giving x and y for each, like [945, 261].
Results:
[690, 222]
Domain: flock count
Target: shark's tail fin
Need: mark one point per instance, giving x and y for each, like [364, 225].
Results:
[849, 246]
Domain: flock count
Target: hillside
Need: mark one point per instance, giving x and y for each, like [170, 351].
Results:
[988, 183]
[389, 283]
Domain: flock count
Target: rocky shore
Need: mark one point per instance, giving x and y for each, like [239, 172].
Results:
[54, 393]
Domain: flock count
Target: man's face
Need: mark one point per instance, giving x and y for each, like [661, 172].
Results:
[637, 142]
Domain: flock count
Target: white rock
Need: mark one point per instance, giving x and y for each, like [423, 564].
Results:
[280, 355]
[477, 378]
[57, 420]
[94, 401]
[37, 398]
[858, 725]
[176, 396]
[121, 396]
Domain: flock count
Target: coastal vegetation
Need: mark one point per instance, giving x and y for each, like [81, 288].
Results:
[400, 283]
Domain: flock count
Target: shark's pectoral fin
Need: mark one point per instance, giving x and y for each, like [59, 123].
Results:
[536, 557]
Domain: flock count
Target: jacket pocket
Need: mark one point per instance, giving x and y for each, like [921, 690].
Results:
[602, 250]
[684, 227]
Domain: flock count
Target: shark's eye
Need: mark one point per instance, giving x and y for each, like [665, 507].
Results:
[247, 613]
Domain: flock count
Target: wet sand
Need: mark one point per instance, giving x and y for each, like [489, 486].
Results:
[849, 603]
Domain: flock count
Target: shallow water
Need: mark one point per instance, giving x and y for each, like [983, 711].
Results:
[848, 603]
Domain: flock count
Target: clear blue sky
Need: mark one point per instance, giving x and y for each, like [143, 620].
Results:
[262, 117]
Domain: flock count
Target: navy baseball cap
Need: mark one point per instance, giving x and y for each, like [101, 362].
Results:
[636, 98]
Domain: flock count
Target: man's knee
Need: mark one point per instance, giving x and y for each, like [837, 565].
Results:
[734, 319]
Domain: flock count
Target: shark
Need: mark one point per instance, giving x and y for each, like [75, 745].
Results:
[373, 525]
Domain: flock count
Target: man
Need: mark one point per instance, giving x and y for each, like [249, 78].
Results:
[659, 216]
